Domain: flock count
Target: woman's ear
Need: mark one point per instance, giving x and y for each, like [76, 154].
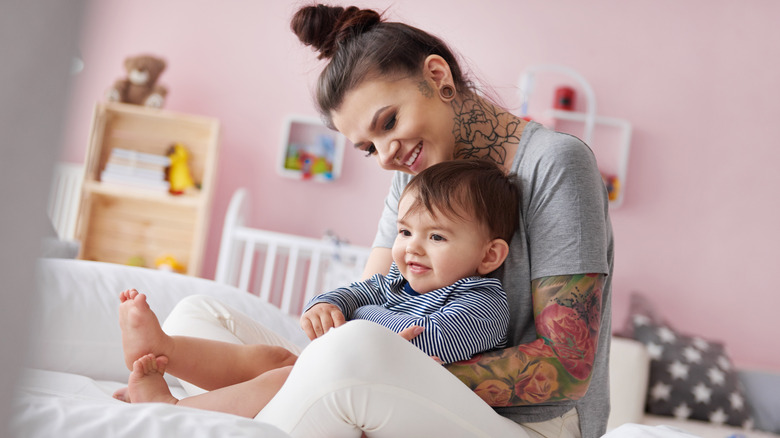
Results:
[436, 69]
[495, 254]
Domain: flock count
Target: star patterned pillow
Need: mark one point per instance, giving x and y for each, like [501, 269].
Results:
[691, 378]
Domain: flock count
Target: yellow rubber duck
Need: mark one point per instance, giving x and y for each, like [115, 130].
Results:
[179, 173]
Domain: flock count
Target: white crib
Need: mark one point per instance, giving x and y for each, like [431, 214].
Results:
[64, 197]
[283, 269]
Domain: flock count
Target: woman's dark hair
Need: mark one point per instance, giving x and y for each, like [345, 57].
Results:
[360, 46]
[479, 188]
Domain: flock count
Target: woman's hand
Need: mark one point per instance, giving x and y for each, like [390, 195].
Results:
[321, 318]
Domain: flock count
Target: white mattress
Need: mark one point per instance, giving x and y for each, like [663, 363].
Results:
[53, 404]
[76, 363]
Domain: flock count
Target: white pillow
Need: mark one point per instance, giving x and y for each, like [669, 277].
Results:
[75, 322]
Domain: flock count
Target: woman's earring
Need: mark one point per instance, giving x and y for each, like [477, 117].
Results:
[447, 92]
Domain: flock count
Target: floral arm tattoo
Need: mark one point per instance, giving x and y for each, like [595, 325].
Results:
[558, 364]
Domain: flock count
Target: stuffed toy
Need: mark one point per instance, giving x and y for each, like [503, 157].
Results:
[179, 174]
[140, 86]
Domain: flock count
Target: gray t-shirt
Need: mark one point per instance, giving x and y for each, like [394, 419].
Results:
[564, 230]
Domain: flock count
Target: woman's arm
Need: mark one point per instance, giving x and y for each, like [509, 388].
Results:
[558, 364]
[379, 261]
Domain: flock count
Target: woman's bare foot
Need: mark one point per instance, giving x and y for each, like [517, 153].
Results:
[147, 384]
[141, 331]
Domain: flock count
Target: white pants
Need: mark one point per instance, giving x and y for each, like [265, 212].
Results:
[361, 377]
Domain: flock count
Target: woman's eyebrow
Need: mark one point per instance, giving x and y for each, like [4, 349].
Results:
[372, 125]
[376, 116]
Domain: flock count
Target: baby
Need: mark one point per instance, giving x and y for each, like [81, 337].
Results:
[455, 222]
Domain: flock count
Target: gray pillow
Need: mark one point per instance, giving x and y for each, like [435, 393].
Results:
[763, 391]
[691, 378]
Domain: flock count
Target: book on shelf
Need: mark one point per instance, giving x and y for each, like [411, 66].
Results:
[140, 157]
[147, 183]
[137, 169]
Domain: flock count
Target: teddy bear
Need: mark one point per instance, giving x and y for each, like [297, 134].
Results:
[140, 86]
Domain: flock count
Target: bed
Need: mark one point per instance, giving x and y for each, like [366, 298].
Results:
[77, 363]
[76, 360]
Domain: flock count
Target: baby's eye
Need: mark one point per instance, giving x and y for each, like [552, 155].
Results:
[437, 238]
[404, 233]
[370, 150]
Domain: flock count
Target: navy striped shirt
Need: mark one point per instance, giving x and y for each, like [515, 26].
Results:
[460, 320]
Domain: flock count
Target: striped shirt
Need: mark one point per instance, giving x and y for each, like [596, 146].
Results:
[468, 317]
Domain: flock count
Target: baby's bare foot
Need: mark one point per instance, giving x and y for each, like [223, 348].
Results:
[147, 384]
[141, 331]
[122, 395]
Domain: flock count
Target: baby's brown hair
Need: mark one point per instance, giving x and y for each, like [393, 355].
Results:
[477, 187]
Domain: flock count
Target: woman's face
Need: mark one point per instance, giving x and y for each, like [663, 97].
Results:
[404, 123]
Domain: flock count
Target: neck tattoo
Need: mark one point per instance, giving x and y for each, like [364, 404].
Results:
[425, 89]
[483, 130]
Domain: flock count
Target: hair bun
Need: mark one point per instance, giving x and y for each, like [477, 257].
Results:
[325, 27]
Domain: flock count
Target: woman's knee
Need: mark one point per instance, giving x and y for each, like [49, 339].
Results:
[195, 313]
[192, 304]
[353, 349]
[355, 335]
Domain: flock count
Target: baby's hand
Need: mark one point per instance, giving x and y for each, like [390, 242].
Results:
[411, 332]
[321, 318]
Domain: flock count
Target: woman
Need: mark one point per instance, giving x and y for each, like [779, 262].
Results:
[399, 95]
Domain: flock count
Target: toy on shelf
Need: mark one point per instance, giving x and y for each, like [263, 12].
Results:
[613, 186]
[179, 175]
[564, 98]
[140, 86]
[310, 150]
[136, 260]
[169, 263]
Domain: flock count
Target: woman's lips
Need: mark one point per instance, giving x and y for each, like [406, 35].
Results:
[412, 157]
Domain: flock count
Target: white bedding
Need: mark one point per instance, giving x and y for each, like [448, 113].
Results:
[77, 360]
[77, 363]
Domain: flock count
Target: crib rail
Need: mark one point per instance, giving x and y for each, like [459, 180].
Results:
[282, 269]
[64, 197]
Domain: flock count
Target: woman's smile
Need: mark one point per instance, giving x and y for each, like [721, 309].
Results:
[411, 158]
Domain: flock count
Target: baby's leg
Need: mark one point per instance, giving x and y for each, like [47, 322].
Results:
[147, 384]
[196, 360]
[141, 331]
[246, 399]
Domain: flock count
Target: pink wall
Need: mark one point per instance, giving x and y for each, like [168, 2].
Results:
[698, 230]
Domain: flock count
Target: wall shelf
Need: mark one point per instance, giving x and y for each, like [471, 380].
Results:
[615, 178]
[120, 223]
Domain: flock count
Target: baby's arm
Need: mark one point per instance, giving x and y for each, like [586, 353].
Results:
[474, 322]
[329, 310]
[320, 318]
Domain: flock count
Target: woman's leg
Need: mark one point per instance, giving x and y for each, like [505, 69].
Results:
[216, 335]
[362, 377]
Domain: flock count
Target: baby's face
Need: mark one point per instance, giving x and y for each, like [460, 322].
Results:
[435, 251]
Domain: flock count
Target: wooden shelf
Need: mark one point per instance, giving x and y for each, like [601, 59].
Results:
[123, 191]
[118, 223]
